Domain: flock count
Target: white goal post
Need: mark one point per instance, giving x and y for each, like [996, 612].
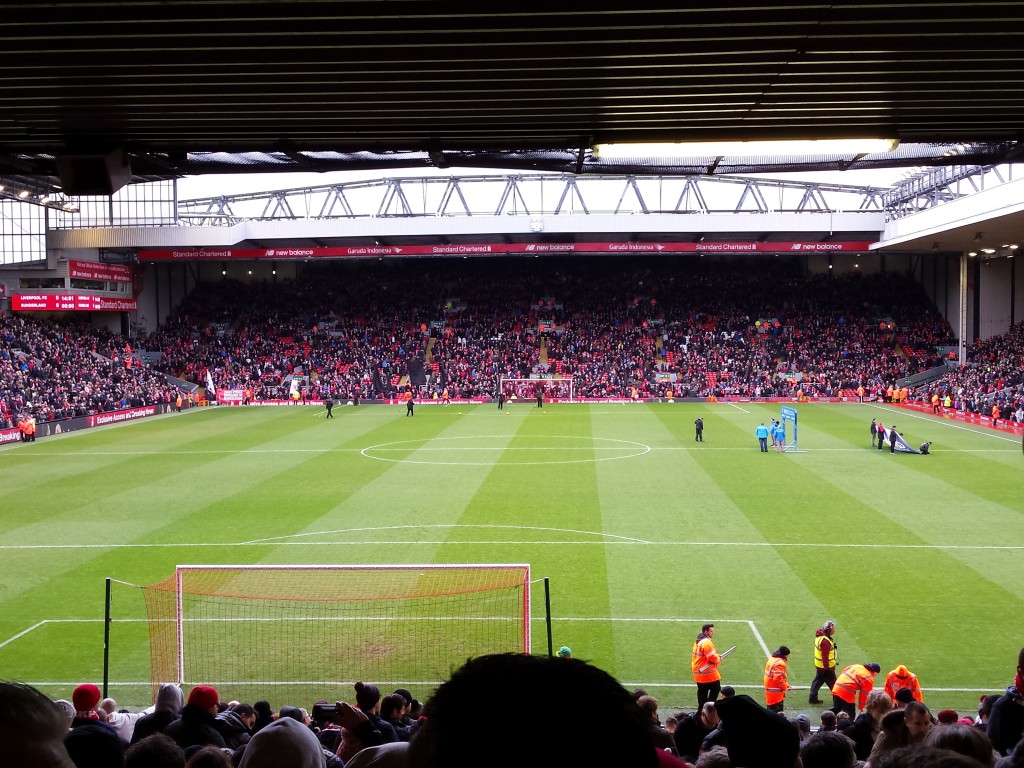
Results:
[554, 388]
[307, 632]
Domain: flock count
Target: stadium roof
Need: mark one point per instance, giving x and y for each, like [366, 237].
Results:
[182, 87]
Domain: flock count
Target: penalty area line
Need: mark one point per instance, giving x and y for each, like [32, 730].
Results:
[946, 423]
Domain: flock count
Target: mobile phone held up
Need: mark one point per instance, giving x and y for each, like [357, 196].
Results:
[325, 712]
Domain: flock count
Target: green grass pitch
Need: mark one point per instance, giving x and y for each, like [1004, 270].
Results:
[643, 533]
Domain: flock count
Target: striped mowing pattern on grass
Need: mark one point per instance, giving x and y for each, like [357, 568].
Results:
[912, 556]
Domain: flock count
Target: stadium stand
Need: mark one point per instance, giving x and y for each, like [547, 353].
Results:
[620, 329]
[614, 327]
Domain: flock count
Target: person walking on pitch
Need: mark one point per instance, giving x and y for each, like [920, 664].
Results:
[824, 661]
[704, 665]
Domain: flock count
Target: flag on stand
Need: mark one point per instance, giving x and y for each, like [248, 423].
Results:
[211, 391]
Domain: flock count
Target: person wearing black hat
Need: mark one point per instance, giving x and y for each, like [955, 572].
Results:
[368, 701]
[775, 682]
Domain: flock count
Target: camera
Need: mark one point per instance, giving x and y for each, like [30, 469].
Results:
[324, 712]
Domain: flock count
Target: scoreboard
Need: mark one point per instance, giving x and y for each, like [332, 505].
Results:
[70, 302]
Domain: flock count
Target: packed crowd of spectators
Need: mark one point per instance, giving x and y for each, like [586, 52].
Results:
[993, 376]
[616, 328]
[56, 370]
[532, 697]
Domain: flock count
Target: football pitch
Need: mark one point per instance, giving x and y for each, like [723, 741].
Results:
[643, 533]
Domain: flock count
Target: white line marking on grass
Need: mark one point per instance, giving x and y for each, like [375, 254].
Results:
[39, 624]
[24, 632]
[416, 445]
[761, 687]
[741, 410]
[598, 534]
[650, 449]
[428, 683]
[947, 423]
[496, 448]
[760, 640]
[617, 540]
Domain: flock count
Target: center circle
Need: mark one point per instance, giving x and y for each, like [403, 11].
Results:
[533, 449]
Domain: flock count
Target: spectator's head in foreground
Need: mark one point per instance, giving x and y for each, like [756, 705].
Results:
[964, 739]
[285, 742]
[32, 728]
[757, 736]
[924, 757]
[828, 749]
[545, 735]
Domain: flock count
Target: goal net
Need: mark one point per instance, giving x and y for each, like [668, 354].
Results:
[556, 388]
[296, 634]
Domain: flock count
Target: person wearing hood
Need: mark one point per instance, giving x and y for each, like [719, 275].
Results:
[285, 742]
[264, 715]
[235, 725]
[900, 678]
[1006, 724]
[297, 714]
[169, 701]
[196, 724]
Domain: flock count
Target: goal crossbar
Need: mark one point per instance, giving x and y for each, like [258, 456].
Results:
[553, 388]
[303, 629]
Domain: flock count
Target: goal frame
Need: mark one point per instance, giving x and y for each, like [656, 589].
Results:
[567, 380]
[181, 570]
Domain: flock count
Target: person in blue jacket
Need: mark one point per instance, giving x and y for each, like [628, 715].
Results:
[762, 437]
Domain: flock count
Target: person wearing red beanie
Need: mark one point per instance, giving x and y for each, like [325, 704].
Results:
[196, 724]
[204, 696]
[85, 698]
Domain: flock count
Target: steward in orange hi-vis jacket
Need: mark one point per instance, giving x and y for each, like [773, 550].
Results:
[704, 665]
[775, 682]
[854, 683]
[900, 678]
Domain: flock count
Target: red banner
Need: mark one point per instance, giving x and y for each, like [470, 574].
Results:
[492, 249]
[9, 436]
[70, 302]
[93, 270]
[116, 417]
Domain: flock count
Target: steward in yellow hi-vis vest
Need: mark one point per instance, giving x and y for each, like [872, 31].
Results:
[824, 656]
